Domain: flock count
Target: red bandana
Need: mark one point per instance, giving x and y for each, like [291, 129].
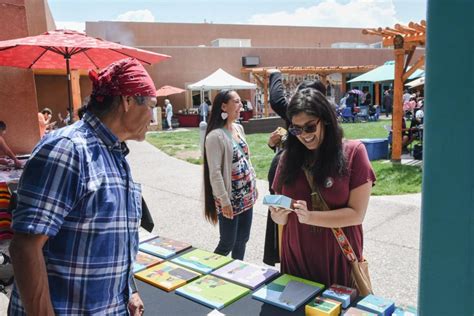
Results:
[126, 77]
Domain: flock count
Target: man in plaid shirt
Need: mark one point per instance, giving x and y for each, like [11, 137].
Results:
[76, 224]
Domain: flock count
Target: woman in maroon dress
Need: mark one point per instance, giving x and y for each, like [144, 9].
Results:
[343, 174]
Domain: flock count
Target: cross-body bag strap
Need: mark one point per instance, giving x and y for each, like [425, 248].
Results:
[318, 201]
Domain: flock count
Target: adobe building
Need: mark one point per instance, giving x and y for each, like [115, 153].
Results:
[197, 50]
[18, 101]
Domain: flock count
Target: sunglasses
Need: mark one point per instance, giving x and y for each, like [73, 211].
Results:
[297, 130]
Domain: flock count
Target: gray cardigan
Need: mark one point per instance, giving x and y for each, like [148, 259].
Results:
[219, 151]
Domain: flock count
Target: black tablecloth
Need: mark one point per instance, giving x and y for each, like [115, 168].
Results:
[159, 302]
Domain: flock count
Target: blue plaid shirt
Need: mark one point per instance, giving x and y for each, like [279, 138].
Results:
[77, 189]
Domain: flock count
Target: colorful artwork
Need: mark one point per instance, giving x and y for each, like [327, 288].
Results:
[323, 307]
[201, 260]
[342, 294]
[288, 292]
[163, 247]
[376, 304]
[167, 276]
[245, 274]
[212, 291]
[145, 260]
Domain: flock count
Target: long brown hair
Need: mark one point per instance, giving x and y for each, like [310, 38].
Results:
[329, 158]
[215, 121]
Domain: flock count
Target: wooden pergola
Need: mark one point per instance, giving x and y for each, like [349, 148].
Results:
[405, 40]
[261, 75]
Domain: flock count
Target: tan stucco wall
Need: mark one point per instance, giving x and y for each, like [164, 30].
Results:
[18, 109]
[275, 45]
[190, 34]
[52, 93]
[18, 105]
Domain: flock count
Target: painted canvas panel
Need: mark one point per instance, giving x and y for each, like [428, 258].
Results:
[245, 274]
[288, 292]
[212, 291]
[163, 247]
[145, 260]
[201, 260]
[167, 276]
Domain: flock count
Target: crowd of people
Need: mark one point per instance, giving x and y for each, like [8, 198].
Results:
[78, 213]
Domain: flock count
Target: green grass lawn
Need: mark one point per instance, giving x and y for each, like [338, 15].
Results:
[392, 179]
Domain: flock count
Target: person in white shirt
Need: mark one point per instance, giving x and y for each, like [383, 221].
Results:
[204, 109]
[169, 113]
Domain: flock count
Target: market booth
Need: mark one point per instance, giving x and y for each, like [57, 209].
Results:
[218, 80]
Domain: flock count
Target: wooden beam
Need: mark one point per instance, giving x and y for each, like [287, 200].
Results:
[265, 94]
[409, 39]
[405, 29]
[258, 79]
[419, 63]
[410, 52]
[311, 70]
[420, 28]
[397, 116]
[76, 92]
[392, 32]
[343, 83]
[371, 32]
[377, 93]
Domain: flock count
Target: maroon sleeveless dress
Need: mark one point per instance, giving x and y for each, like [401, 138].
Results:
[312, 252]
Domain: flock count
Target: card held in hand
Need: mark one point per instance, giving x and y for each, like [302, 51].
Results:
[280, 201]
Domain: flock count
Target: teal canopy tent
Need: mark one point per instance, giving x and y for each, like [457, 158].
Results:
[383, 73]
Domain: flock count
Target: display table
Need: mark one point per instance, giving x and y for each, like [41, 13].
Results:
[159, 302]
[188, 120]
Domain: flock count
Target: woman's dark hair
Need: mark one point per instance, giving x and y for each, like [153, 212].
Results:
[100, 106]
[3, 126]
[328, 159]
[215, 121]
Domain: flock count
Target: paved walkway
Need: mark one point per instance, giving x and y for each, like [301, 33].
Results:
[174, 194]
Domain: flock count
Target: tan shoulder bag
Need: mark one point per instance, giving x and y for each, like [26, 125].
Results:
[360, 278]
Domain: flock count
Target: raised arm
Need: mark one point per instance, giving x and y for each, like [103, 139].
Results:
[277, 98]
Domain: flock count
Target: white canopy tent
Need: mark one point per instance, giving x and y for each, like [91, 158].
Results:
[416, 82]
[218, 80]
[221, 80]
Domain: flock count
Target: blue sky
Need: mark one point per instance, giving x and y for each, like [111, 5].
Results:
[342, 13]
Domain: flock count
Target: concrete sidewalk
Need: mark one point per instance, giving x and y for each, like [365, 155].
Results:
[173, 191]
[174, 194]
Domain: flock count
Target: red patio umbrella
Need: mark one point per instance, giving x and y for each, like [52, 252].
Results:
[68, 49]
[168, 90]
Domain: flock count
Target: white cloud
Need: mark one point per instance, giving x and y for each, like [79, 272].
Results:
[71, 25]
[355, 13]
[137, 16]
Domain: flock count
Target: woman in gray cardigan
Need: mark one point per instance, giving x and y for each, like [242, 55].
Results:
[229, 178]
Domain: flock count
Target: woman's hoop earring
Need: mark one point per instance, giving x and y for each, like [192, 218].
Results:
[224, 115]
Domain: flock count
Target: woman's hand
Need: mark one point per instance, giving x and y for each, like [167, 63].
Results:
[275, 139]
[228, 212]
[279, 215]
[301, 210]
